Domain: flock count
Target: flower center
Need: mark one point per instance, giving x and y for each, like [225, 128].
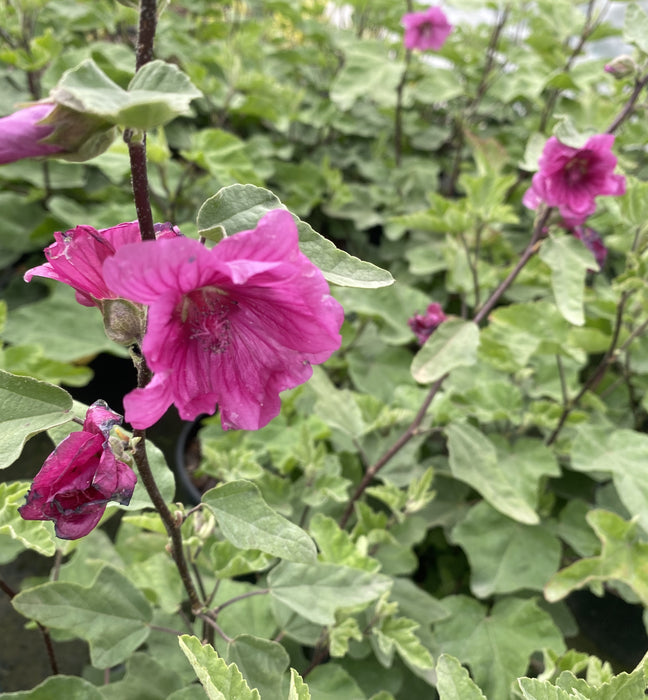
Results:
[205, 313]
[576, 170]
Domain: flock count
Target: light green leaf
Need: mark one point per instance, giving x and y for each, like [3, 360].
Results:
[399, 633]
[454, 681]
[261, 662]
[248, 522]
[474, 460]
[533, 689]
[298, 689]
[111, 615]
[453, 344]
[569, 260]
[220, 681]
[505, 555]
[68, 687]
[624, 557]
[158, 93]
[341, 634]
[336, 546]
[28, 407]
[239, 208]
[635, 27]
[624, 454]
[33, 534]
[496, 643]
[316, 591]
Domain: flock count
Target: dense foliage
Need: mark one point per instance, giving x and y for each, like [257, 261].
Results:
[416, 518]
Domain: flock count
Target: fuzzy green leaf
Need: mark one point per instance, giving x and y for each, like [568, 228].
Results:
[454, 681]
[453, 344]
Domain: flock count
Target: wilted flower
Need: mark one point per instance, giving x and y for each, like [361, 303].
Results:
[233, 326]
[592, 242]
[77, 256]
[426, 30]
[80, 477]
[570, 178]
[22, 134]
[423, 325]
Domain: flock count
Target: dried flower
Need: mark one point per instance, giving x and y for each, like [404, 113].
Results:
[80, 477]
[423, 325]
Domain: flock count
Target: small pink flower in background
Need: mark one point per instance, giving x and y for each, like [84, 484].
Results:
[621, 67]
[232, 326]
[21, 135]
[426, 30]
[423, 325]
[592, 241]
[77, 256]
[80, 477]
[571, 178]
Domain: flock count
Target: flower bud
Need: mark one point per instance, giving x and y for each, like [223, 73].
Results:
[124, 321]
[621, 67]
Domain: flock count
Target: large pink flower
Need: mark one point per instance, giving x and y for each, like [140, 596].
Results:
[77, 256]
[80, 477]
[426, 30]
[571, 178]
[233, 326]
[21, 134]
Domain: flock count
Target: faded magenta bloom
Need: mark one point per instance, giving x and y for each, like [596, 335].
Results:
[592, 241]
[77, 256]
[571, 178]
[80, 477]
[21, 135]
[233, 326]
[423, 325]
[426, 30]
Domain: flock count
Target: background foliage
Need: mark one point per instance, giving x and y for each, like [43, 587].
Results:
[527, 478]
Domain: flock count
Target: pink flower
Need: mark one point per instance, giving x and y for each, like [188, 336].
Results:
[21, 134]
[423, 325]
[77, 256]
[80, 477]
[592, 242]
[233, 326]
[426, 30]
[570, 178]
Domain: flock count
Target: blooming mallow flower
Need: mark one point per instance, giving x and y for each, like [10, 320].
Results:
[571, 178]
[22, 134]
[423, 325]
[232, 326]
[426, 30]
[76, 257]
[80, 477]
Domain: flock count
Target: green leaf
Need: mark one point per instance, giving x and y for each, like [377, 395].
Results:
[220, 681]
[331, 682]
[624, 557]
[316, 591]
[68, 687]
[453, 344]
[111, 615]
[533, 689]
[248, 522]
[399, 633]
[145, 679]
[158, 93]
[624, 454]
[635, 27]
[568, 260]
[164, 479]
[298, 689]
[261, 662]
[336, 546]
[454, 681]
[496, 643]
[33, 534]
[28, 407]
[474, 460]
[341, 634]
[239, 208]
[505, 555]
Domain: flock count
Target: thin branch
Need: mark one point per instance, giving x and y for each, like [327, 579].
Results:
[216, 626]
[640, 84]
[260, 591]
